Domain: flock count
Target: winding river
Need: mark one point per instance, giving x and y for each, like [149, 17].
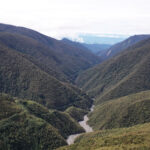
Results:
[87, 128]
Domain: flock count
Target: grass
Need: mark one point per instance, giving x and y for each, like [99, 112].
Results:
[122, 112]
[133, 138]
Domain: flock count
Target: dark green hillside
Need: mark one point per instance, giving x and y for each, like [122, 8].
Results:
[56, 55]
[36, 52]
[62, 121]
[122, 112]
[76, 113]
[21, 130]
[20, 77]
[25, 124]
[133, 138]
[122, 75]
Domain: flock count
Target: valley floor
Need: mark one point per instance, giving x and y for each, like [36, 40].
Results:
[87, 128]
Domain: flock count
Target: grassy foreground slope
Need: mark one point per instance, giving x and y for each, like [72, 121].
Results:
[29, 125]
[122, 112]
[133, 138]
[122, 75]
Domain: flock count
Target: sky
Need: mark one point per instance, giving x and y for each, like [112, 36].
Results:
[70, 18]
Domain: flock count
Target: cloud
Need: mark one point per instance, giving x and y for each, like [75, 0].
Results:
[69, 18]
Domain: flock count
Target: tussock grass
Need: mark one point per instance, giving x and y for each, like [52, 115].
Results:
[133, 138]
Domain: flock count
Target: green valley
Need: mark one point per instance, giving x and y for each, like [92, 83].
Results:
[54, 90]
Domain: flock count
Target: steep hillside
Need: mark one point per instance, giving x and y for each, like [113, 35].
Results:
[133, 138]
[22, 78]
[122, 112]
[25, 124]
[60, 120]
[119, 47]
[20, 130]
[57, 56]
[122, 75]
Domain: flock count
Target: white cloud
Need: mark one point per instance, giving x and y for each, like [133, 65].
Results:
[69, 18]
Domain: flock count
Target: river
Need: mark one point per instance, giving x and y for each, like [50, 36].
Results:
[87, 128]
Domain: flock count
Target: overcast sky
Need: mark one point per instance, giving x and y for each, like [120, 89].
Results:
[59, 18]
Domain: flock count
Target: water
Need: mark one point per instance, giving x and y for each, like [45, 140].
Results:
[71, 138]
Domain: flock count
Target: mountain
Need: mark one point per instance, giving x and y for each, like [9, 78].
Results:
[119, 47]
[34, 66]
[25, 124]
[121, 88]
[97, 48]
[22, 78]
[125, 112]
[56, 56]
[124, 74]
[136, 137]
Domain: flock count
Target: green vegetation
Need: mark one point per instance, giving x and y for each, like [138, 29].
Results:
[133, 138]
[25, 124]
[122, 112]
[24, 131]
[76, 113]
[122, 75]
[36, 67]
[60, 59]
[21, 130]
[62, 121]
[21, 78]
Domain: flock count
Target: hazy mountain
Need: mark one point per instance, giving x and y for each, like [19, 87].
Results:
[119, 47]
[97, 48]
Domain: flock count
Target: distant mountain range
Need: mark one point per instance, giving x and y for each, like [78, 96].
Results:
[94, 48]
[97, 48]
[109, 39]
[119, 47]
